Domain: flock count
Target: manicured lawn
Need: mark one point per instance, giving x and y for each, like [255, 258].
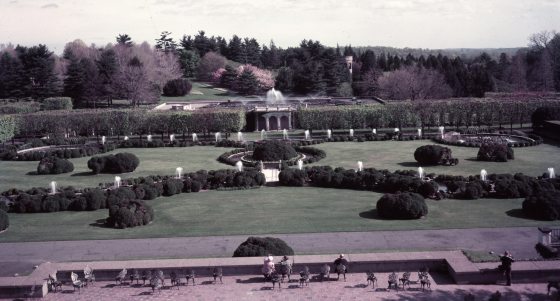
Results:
[266, 210]
[153, 161]
[202, 91]
[395, 155]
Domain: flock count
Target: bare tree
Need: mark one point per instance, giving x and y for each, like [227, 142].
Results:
[414, 83]
[210, 63]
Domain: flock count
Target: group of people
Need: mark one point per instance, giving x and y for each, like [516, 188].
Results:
[268, 266]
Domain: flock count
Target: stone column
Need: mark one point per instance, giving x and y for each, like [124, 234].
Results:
[256, 121]
[279, 123]
[267, 123]
[289, 120]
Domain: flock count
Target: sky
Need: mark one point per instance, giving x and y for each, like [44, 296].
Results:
[434, 24]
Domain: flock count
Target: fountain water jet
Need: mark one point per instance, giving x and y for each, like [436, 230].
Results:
[396, 130]
[239, 136]
[351, 132]
[194, 137]
[263, 134]
[103, 139]
[307, 135]
[329, 134]
[53, 187]
[274, 96]
[149, 137]
[551, 174]
[178, 173]
[419, 133]
[300, 164]
[360, 166]
[374, 131]
[285, 134]
[117, 182]
[171, 137]
[239, 166]
[483, 175]
[441, 131]
[218, 136]
[125, 138]
[421, 173]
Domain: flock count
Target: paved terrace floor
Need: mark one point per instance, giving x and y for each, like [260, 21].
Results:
[253, 288]
[22, 256]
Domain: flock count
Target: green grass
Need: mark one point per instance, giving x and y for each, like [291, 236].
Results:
[263, 211]
[399, 155]
[153, 161]
[208, 93]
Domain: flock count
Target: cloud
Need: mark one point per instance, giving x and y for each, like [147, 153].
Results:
[50, 5]
[14, 2]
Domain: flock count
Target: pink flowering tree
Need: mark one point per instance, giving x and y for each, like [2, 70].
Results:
[264, 77]
[217, 75]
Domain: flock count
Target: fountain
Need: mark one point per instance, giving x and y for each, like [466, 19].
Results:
[149, 137]
[421, 173]
[218, 136]
[329, 134]
[178, 173]
[53, 187]
[103, 139]
[551, 174]
[125, 138]
[351, 132]
[441, 131]
[117, 183]
[300, 164]
[274, 96]
[483, 175]
[307, 135]
[194, 137]
[261, 166]
[285, 134]
[263, 134]
[396, 130]
[419, 133]
[239, 136]
[360, 166]
[374, 131]
[171, 137]
[239, 166]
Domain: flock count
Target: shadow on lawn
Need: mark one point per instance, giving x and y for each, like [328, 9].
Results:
[371, 214]
[518, 213]
[100, 223]
[408, 164]
[83, 173]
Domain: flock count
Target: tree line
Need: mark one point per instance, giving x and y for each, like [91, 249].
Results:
[93, 75]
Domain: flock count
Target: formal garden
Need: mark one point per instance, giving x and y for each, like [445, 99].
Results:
[103, 174]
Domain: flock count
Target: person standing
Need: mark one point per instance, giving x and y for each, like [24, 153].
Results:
[505, 267]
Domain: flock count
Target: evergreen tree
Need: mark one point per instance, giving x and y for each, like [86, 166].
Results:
[252, 52]
[124, 39]
[368, 61]
[202, 43]
[74, 83]
[235, 49]
[228, 77]
[285, 79]
[187, 43]
[222, 46]
[165, 42]
[107, 68]
[247, 83]
[38, 66]
[11, 77]
[189, 61]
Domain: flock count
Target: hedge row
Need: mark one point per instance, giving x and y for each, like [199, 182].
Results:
[143, 188]
[127, 121]
[117, 163]
[497, 186]
[7, 127]
[537, 140]
[455, 112]
[77, 151]
[54, 166]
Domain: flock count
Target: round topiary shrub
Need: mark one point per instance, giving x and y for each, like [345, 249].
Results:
[292, 177]
[132, 214]
[262, 246]
[495, 152]
[177, 87]
[434, 155]
[406, 205]
[5, 221]
[273, 150]
[543, 205]
[53, 165]
[118, 163]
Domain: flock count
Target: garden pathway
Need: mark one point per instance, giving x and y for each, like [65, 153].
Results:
[520, 241]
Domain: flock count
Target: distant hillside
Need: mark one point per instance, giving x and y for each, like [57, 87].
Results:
[452, 52]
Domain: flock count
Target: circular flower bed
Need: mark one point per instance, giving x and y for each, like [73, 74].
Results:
[273, 150]
[476, 140]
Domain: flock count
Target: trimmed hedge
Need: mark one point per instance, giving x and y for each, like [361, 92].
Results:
[542, 114]
[7, 127]
[434, 155]
[118, 163]
[54, 165]
[543, 205]
[273, 150]
[404, 205]
[495, 152]
[4, 220]
[177, 87]
[262, 246]
[129, 214]
[57, 103]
